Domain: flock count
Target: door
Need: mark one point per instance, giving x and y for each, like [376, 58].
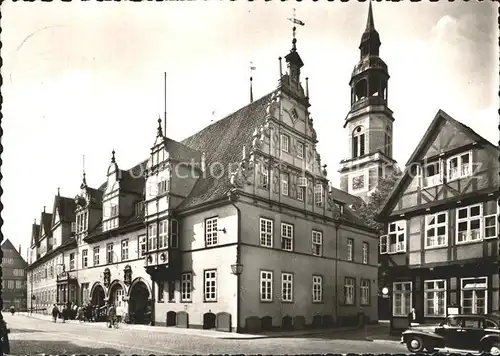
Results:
[450, 332]
[471, 333]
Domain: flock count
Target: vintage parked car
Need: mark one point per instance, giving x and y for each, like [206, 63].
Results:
[479, 333]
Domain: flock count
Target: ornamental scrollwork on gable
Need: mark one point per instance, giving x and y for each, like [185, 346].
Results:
[107, 277]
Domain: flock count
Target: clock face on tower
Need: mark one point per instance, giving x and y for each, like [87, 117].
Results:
[358, 182]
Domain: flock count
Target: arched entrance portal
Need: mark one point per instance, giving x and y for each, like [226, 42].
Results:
[98, 296]
[116, 296]
[139, 305]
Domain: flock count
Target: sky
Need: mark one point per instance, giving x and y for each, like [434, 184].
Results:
[84, 78]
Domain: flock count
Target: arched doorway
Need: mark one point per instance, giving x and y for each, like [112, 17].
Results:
[139, 304]
[116, 295]
[97, 300]
[98, 296]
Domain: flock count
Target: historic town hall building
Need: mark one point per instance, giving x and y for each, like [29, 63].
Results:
[234, 228]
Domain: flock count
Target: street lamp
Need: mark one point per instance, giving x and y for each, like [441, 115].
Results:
[237, 268]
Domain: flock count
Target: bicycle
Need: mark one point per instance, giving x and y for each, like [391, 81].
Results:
[117, 320]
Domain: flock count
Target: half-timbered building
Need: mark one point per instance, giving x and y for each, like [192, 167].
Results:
[441, 225]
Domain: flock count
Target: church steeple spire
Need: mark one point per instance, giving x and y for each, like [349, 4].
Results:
[370, 40]
[370, 26]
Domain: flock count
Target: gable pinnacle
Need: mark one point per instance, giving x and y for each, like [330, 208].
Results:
[160, 132]
[113, 156]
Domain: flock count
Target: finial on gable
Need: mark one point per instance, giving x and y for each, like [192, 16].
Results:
[44, 208]
[113, 156]
[58, 191]
[160, 132]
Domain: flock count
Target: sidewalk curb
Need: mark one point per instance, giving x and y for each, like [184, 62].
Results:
[382, 340]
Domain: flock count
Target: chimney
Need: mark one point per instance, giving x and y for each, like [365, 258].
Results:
[20, 249]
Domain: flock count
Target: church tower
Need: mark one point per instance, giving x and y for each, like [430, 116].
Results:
[369, 122]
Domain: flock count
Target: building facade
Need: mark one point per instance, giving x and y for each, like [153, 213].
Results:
[13, 277]
[234, 228]
[442, 227]
[369, 122]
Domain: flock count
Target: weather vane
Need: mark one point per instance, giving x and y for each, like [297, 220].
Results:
[295, 21]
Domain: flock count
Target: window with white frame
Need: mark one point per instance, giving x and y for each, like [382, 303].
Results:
[432, 174]
[436, 230]
[317, 289]
[287, 287]
[318, 194]
[365, 292]
[119, 298]
[300, 150]
[401, 298]
[395, 240]
[186, 286]
[435, 298]
[317, 243]
[285, 178]
[469, 223]
[152, 242]
[349, 287]
[285, 143]
[142, 245]
[300, 193]
[162, 186]
[474, 295]
[125, 250]
[459, 166]
[350, 249]
[266, 232]
[109, 253]
[211, 238]
[263, 176]
[174, 233]
[491, 225]
[19, 284]
[266, 286]
[358, 142]
[71, 261]
[85, 258]
[210, 291]
[366, 253]
[287, 237]
[96, 256]
[114, 210]
[163, 234]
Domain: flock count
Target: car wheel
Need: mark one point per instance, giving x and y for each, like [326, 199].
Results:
[495, 349]
[415, 344]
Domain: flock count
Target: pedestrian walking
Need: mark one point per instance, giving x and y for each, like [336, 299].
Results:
[12, 309]
[412, 318]
[111, 315]
[55, 313]
[80, 314]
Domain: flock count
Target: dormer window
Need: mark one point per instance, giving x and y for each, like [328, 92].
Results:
[82, 221]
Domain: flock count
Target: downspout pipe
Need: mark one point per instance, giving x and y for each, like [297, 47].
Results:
[233, 197]
[336, 306]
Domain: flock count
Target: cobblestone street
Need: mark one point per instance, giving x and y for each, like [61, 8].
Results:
[36, 335]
